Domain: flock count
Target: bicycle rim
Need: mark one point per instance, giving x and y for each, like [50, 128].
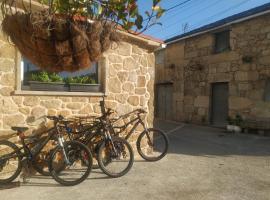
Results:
[77, 170]
[115, 163]
[152, 145]
[10, 162]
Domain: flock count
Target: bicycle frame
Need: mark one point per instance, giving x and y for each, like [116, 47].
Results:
[138, 121]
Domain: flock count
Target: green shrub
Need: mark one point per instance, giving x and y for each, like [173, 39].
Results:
[40, 77]
[80, 80]
[55, 77]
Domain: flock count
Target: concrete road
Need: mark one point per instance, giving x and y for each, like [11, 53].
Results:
[203, 164]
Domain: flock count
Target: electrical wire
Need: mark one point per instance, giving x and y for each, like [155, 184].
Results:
[201, 23]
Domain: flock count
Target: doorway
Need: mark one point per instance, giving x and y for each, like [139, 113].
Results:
[219, 104]
[164, 101]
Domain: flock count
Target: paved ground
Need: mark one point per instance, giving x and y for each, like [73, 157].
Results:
[203, 164]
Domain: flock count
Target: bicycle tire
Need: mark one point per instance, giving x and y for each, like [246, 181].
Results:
[18, 155]
[70, 145]
[163, 153]
[103, 166]
[40, 168]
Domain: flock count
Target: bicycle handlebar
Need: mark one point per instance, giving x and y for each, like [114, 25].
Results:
[55, 118]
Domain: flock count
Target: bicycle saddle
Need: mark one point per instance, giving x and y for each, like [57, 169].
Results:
[19, 129]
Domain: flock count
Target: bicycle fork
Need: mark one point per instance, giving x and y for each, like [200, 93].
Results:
[61, 142]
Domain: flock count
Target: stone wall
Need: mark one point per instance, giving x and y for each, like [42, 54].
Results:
[197, 67]
[129, 85]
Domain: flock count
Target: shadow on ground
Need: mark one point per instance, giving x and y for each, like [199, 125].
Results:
[206, 141]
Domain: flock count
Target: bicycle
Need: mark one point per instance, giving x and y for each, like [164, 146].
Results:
[63, 158]
[152, 144]
[114, 155]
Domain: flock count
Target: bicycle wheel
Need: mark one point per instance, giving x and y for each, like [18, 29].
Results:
[41, 164]
[78, 168]
[10, 162]
[115, 163]
[152, 144]
[93, 145]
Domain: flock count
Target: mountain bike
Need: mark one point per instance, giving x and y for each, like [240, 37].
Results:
[114, 155]
[152, 144]
[70, 162]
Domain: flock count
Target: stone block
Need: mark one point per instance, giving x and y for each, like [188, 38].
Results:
[8, 79]
[128, 87]
[31, 101]
[265, 60]
[202, 101]
[86, 110]
[130, 64]
[52, 112]
[18, 100]
[6, 91]
[38, 112]
[114, 85]
[24, 110]
[7, 51]
[65, 99]
[244, 86]
[117, 67]
[239, 103]
[141, 82]
[64, 113]
[80, 99]
[134, 100]
[52, 104]
[124, 49]
[122, 76]
[7, 65]
[140, 91]
[246, 76]
[74, 105]
[13, 120]
[137, 50]
[115, 58]
[224, 67]
[121, 98]
[151, 60]
[7, 106]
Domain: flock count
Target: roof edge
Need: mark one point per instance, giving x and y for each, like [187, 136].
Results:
[179, 38]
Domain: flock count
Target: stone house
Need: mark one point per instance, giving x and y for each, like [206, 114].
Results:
[125, 75]
[216, 71]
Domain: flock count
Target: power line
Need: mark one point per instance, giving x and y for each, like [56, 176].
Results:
[193, 14]
[171, 8]
[177, 5]
[209, 18]
[213, 16]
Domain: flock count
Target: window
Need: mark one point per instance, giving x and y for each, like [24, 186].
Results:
[35, 79]
[222, 41]
[267, 91]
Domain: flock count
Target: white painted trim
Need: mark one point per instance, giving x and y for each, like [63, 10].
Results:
[222, 26]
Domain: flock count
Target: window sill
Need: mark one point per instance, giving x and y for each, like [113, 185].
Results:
[52, 93]
[224, 51]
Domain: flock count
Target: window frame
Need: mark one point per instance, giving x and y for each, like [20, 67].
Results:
[218, 34]
[102, 79]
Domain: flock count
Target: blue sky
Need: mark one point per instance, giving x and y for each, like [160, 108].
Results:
[195, 13]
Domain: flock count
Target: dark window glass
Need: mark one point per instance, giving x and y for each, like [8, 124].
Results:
[222, 41]
[28, 69]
